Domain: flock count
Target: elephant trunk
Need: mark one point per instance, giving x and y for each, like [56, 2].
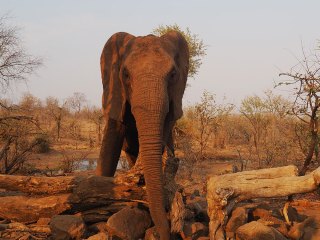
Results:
[151, 157]
[150, 108]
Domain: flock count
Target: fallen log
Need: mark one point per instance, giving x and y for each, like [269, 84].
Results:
[95, 198]
[225, 191]
[80, 193]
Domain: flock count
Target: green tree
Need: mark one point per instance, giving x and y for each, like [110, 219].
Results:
[197, 49]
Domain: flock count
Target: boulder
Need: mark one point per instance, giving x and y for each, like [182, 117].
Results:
[257, 231]
[98, 227]
[129, 223]
[305, 229]
[151, 234]
[194, 230]
[238, 218]
[198, 205]
[294, 216]
[270, 217]
[43, 221]
[18, 226]
[99, 236]
[311, 234]
[65, 227]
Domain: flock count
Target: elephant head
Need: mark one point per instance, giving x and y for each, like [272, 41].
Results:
[147, 77]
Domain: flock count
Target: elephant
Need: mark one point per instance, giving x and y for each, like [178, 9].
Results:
[144, 79]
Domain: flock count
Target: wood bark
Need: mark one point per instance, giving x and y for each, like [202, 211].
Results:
[225, 191]
[27, 198]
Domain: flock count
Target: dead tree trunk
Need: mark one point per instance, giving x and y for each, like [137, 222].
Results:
[225, 191]
[27, 198]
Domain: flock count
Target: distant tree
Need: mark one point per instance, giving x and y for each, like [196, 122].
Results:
[30, 105]
[57, 111]
[277, 105]
[95, 115]
[18, 127]
[208, 114]
[304, 78]
[18, 137]
[268, 125]
[15, 63]
[254, 109]
[197, 49]
[77, 101]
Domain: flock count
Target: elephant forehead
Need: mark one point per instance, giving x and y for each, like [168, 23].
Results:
[148, 49]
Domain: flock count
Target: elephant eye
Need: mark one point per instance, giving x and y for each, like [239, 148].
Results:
[172, 74]
[125, 73]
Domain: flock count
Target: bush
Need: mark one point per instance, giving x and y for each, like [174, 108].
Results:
[43, 145]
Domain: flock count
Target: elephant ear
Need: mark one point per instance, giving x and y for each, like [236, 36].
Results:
[113, 98]
[178, 46]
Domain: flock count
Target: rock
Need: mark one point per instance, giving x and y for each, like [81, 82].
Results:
[151, 234]
[99, 236]
[39, 228]
[294, 216]
[238, 218]
[18, 226]
[300, 230]
[311, 234]
[275, 223]
[257, 231]
[65, 227]
[195, 230]
[98, 227]
[269, 217]
[258, 213]
[129, 223]
[3, 226]
[43, 221]
[199, 206]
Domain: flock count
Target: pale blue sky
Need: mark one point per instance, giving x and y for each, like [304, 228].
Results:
[249, 42]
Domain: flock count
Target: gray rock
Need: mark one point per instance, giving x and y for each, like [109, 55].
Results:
[257, 231]
[65, 227]
[129, 223]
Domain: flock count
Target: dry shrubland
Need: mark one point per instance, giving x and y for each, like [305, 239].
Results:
[262, 132]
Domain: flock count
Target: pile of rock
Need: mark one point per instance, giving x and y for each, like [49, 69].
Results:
[259, 222]
[132, 222]
[104, 208]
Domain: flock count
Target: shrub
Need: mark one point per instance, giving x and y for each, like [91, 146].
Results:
[43, 145]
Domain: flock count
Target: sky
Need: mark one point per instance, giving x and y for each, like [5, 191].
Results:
[249, 42]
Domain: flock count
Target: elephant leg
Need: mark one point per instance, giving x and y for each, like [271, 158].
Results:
[170, 146]
[168, 137]
[131, 146]
[114, 132]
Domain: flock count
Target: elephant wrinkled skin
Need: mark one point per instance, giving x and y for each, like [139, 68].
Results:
[144, 79]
